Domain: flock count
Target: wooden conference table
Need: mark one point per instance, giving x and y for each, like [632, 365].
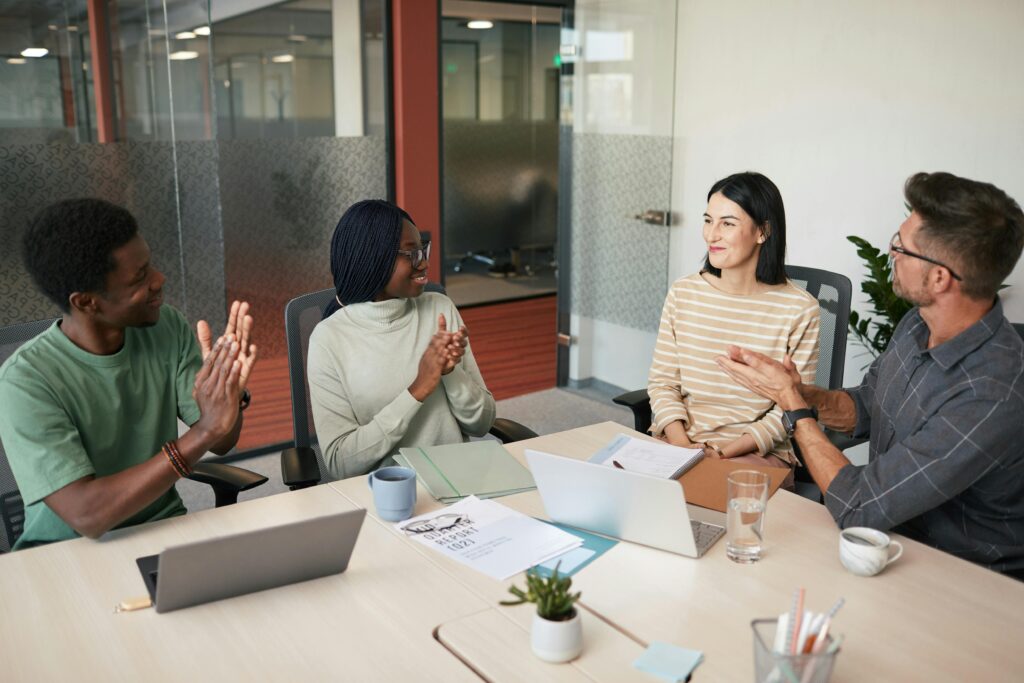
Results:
[403, 612]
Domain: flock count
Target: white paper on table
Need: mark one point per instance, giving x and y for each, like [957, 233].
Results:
[647, 457]
[494, 539]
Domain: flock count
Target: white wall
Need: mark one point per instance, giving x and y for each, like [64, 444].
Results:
[838, 102]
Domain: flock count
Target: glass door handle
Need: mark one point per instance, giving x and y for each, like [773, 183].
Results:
[654, 217]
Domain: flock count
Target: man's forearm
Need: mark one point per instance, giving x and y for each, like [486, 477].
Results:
[836, 410]
[822, 459]
[94, 505]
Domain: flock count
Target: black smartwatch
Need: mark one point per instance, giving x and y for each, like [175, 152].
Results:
[791, 417]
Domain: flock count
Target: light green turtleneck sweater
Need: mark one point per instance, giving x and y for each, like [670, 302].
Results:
[361, 362]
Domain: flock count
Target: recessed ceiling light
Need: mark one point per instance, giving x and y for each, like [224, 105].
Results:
[15, 60]
[182, 55]
[201, 30]
[480, 23]
[35, 52]
[185, 35]
[282, 59]
[297, 38]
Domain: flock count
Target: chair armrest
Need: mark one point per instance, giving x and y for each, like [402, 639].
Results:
[227, 481]
[640, 403]
[632, 399]
[508, 431]
[299, 467]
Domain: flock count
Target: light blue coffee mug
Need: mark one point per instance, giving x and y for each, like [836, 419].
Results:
[394, 492]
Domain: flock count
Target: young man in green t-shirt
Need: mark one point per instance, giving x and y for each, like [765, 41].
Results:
[89, 409]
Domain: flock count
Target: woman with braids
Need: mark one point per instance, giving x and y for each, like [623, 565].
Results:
[389, 365]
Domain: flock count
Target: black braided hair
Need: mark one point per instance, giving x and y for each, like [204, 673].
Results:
[363, 251]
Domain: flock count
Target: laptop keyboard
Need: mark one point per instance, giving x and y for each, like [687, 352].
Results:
[705, 535]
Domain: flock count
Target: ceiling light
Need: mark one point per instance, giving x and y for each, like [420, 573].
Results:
[282, 59]
[480, 23]
[201, 30]
[185, 35]
[35, 52]
[15, 60]
[182, 55]
[297, 38]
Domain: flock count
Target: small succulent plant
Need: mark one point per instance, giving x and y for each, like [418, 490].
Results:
[551, 595]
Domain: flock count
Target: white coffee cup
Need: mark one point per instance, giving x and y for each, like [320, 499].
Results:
[865, 552]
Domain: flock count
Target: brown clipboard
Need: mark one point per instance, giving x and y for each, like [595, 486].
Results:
[705, 484]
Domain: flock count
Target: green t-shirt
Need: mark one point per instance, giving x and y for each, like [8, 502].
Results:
[66, 413]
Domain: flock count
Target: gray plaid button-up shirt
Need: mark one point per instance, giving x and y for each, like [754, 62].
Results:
[947, 443]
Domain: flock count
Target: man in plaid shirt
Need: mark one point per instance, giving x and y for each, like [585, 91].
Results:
[944, 405]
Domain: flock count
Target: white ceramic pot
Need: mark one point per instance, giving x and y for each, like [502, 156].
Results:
[557, 641]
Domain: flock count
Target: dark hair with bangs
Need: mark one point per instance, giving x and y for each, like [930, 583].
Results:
[364, 248]
[761, 199]
[974, 225]
[69, 246]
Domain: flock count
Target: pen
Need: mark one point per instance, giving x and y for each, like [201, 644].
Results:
[796, 615]
[618, 464]
[835, 608]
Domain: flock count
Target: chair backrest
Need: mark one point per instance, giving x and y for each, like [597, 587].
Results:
[833, 292]
[1020, 329]
[12, 510]
[301, 315]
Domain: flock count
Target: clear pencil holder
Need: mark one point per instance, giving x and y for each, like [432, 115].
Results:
[772, 667]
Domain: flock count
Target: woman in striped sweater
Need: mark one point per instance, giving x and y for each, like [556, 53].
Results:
[741, 296]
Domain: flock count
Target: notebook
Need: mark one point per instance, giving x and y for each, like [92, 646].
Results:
[648, 457]
[704, 481]
[475, 468]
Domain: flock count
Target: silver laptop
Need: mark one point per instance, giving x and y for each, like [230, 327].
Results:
[217, 568]
[634, 507]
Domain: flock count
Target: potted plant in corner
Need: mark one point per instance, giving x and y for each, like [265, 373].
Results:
[556, 635]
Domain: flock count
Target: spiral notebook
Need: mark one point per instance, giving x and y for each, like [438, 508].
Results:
[475, 468]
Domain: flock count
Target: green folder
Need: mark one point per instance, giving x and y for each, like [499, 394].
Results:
[476, 468]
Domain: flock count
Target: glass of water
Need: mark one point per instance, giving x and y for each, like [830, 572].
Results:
[747, 498]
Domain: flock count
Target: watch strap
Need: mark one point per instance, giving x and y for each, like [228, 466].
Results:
[791, 417]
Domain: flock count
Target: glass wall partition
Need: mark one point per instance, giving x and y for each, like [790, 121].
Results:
[237, 153]
[500, 86]
[301, 136]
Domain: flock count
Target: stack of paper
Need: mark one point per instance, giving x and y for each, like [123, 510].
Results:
[476, 468]
[648, 457]
[489, 537]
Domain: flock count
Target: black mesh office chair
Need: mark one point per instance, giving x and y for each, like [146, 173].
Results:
[303, 465]
[227, 481]
[833, 292]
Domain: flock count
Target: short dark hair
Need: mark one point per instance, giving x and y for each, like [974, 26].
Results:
[364, 249]
[972, 224]
[761, 199]
[69, 246]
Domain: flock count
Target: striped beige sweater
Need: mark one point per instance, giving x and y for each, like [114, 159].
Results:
[697, 324]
